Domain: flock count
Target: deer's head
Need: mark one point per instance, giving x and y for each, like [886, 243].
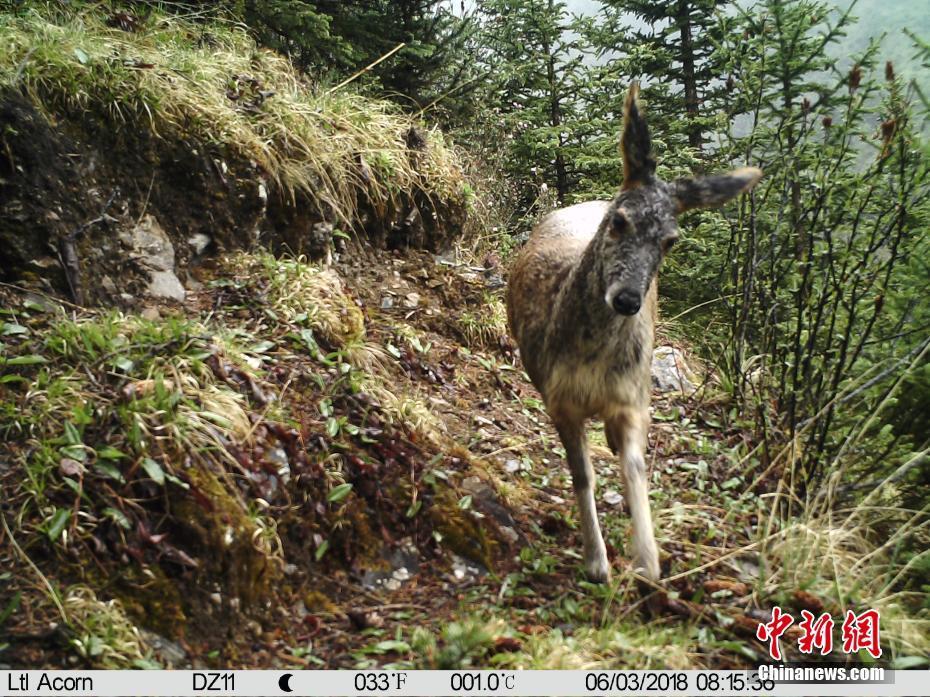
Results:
[640, 225]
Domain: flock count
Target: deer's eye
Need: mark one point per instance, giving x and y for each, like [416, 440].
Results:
[619, 223]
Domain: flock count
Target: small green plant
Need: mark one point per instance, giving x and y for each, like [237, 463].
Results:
[461, 644]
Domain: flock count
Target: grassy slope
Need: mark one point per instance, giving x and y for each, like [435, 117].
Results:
[470, 421]
[175, 76]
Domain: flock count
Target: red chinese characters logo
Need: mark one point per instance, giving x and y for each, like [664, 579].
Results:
[771, 631]
[859, 632]
[817, 633]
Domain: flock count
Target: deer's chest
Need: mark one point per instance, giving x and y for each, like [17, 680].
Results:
[597, 374]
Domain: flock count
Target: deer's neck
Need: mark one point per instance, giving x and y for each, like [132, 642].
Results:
[581, 317]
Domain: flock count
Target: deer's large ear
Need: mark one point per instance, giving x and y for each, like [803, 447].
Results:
[635, 145]
[713, 191]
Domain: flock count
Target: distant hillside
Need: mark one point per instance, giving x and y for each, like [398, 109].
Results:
[876, 17]
[891, 17]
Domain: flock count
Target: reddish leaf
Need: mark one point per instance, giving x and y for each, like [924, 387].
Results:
[735, 587]
[807, 601]
[506, 644]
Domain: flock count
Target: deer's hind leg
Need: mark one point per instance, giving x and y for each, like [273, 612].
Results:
[571, 432]
[626, 435]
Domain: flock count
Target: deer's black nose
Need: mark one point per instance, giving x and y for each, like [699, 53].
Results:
[627, 302]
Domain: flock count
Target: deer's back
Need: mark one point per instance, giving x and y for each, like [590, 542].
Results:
[541, 270]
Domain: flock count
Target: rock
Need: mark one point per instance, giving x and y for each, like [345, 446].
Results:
[108, 285]
[39, 302]
[465, 570]
[199, 242]
[509, 534]
[168, 652]
[165, 284]
[402, 563]
[151, 244]
[612, 497]
[152, 249]
[670, 371]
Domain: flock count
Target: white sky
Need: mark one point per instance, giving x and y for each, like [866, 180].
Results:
[574, 6]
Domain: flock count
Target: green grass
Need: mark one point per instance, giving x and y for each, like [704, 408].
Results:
[175, 76]
[121, 428]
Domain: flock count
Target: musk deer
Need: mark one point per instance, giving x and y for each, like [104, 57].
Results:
[581, 303]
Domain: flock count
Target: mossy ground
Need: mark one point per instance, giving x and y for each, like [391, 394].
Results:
[307, 437]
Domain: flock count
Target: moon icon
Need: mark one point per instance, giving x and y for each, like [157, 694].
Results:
[283, 682]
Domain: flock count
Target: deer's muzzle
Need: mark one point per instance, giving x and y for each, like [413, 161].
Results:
[627, 302]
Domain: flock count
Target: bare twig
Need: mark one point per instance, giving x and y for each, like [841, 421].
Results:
[368, 67]
[67, 251]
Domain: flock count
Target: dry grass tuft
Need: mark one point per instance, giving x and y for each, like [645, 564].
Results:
[303, 293]
[485, 328]
[102, 633]
[846, 560]
[342, 149]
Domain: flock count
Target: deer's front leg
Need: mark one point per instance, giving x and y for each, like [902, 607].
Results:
[571, 431]
[626, 434]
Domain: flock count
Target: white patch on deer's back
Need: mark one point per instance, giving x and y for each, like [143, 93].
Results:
[580, 221]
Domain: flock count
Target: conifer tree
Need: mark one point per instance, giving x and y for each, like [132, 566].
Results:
[672, 47]
[821, 254]
[330, 39]
[429, 66]
[535, 63]
[295, 28]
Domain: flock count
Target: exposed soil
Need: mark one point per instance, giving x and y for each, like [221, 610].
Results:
[73, 188]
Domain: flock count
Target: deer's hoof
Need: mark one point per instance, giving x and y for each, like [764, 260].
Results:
[650, 573]
[647, 565]
[598, 571]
